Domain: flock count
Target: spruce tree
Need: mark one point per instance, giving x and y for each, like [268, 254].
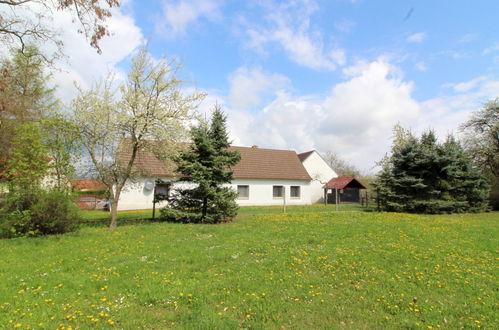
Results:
[424, 176]
[207, 166]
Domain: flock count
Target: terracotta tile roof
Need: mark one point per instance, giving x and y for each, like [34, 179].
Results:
[256, 163]
[146, 162]
[304, 155]
[342, 182]
[83, 185]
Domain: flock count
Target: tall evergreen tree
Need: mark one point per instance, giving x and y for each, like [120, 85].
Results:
[424, 176]
[207, 166]
[25, 95]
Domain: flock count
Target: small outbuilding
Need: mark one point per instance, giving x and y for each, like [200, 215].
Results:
[348, 190]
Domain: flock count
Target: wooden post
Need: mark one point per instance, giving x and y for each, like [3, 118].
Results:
[337, 197]
[154, 203]
[377, 199]
[284, 197]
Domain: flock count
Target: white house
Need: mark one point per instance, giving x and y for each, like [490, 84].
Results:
[262, 177]
[319, 171]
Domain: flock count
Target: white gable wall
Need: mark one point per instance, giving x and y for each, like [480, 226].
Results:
[135, 196]
[321, 173]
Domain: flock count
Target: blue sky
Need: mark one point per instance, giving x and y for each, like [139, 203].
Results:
[434, 42]
[327, 75]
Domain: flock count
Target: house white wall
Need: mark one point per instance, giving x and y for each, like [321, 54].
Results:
[321, 173]
[136, 195]
[260, 192]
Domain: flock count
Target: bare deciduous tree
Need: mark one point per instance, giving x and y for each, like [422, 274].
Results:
[481, 140]
[340, 166]
[28, 22]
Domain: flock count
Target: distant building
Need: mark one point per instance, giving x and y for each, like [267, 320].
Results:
[348, 190]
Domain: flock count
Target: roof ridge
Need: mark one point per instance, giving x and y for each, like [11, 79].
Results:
[258, 148]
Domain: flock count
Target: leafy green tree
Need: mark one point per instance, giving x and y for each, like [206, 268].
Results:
[34, 204]
[207, 166]
[24, 94]
[29, 160]
[424, 176]
[481, 140]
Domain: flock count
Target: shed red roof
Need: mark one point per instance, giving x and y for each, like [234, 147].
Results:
[342, 182]
[86, 185]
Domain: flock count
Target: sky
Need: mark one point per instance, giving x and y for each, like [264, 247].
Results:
[329, 75]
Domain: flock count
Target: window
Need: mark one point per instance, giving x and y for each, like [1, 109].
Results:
[295, 191]
[243, 191]
[277, 191]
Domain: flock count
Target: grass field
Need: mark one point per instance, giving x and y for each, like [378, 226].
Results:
[243, 211]
[349, 270]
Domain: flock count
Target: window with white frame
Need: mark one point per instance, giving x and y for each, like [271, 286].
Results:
[295, 192]
[277, 191]
[243, 191]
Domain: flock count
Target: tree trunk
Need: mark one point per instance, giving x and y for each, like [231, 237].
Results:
[205, 207]
[114, 215]
[114, 209]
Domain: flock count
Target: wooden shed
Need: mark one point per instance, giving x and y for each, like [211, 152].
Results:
[348, 190]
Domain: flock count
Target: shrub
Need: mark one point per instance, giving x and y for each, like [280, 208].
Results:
[37, 212]
[189, 216]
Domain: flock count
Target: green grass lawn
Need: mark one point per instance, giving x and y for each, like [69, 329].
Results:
[349, 270]
[94, 215]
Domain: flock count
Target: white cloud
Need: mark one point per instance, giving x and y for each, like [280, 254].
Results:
[417, 37]
[469, 37]
[345, 25]
[492, 49]
[83, 65]
[421, 66]
[288, 24]
[339, 56]
[178, 16]
[355, 118]
[248, 87]
[468, 85]
[455, 55]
